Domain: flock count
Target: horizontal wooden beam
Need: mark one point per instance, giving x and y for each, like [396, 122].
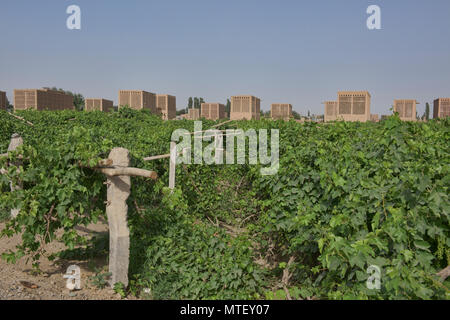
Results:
[127, 171]
[163, 156]
[20, 118]
[218, 125]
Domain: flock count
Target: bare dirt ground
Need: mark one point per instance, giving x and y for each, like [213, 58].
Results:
[16, 279]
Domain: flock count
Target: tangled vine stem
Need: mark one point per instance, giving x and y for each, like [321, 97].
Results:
[287, 277]
[444, 274]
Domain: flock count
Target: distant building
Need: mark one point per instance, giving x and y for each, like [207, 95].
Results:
[42, 99]
[281, 111]
[374, 118]
[330, 111]
[406, 109]
[94, 104]
[2, 100]
[353, 106]
[137, 99]
[213, 111]
[441, 108]
[245, 107]
[193, 114]
[166, 105]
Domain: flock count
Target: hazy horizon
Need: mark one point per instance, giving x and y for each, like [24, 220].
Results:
[297, 52]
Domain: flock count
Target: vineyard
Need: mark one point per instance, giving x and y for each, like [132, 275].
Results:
[346, 196]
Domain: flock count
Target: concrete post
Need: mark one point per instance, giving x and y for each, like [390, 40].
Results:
[116, 210]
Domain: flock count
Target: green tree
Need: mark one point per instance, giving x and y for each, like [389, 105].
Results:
[427, 111]
[9, 106]
[196, 103]
[296, 115]
[78, 101]
[228, 107]
[190, 102]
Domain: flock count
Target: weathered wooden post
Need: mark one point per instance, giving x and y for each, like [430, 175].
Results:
[218, 140]
[173, 159]
[116, 210]
[119, 183]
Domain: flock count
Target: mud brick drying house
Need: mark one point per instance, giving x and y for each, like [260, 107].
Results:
[406, 109]
[331, 110]
[137, 99]
[441, 108]
[193, 114]
[245, 107]
[213, 111]
[42, 99]
[98, 104]
[281, 111]
[353, 106]
[166, 105]
[2, 100]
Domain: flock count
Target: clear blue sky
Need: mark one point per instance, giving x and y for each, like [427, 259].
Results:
[299, 52]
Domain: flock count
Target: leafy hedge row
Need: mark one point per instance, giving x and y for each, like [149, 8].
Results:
[347, 196]
[351, 195]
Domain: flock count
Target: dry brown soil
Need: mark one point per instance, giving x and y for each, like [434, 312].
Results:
[50, 284]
